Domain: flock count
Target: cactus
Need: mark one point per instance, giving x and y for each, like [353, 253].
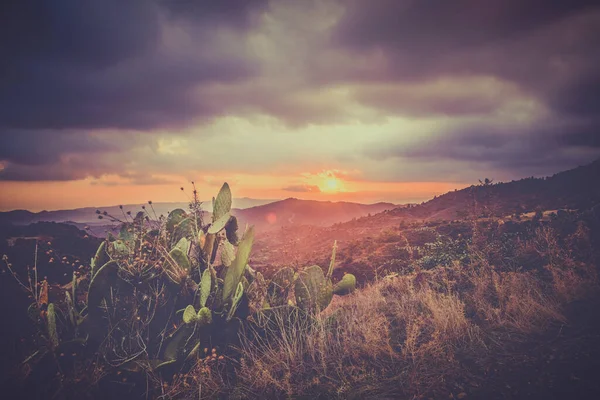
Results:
[345, 286]
[313, 291]
[100, 258]
[279, 287]
[231, 230]
[332, 263]
[184, 245]
[222, 204]
[257, 292]
[205, 287]
[219, 224]
[204, 316]
[126, 233]
[119, 249]
[174, 218]
[74, 287]
[236, 270]
[178, 341]
[184, 229]
[189, 314]
[239, 292]
[177, 266]
[227, 253]
[100, 287]
[51, 317]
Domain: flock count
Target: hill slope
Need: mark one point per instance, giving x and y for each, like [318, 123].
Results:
[573, 189]
[294, 212]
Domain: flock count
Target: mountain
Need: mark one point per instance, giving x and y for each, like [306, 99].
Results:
[88, 216]
[294, 212]
[573, 189]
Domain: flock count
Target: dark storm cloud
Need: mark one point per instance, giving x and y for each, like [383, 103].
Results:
[425, 25]
[521, 150]
[40, 155]
[210, 11]
[104, 64]
[545, 47]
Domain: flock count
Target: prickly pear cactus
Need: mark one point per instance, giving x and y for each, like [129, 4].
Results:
[100, 258]
[51, 317]
[227, 253]
[313, 291]
[204, 316]
[100, 287]
[279, 287]
[346, 286]
[236, 300]
[256, 293]
[222, 204]
[236, 270]
[205, 287]
[231, 230]
[177, 266]
[174, 218]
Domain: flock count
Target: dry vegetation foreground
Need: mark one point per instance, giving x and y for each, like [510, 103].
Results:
[466, 330]
[475, 309]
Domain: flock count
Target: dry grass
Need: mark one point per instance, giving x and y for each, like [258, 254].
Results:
[423, 334]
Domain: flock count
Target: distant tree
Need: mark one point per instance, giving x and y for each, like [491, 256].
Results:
[486, 182]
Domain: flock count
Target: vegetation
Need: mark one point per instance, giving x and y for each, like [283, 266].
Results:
[170, 308]
[158, 300]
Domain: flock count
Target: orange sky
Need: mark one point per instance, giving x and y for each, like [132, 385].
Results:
[37, 196]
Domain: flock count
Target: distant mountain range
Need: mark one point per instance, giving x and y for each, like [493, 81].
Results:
[88, 216]
[263, 214]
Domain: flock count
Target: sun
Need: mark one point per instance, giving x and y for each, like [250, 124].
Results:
[331, 184]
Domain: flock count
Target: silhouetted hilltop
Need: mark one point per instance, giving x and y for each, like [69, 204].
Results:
[573, 189]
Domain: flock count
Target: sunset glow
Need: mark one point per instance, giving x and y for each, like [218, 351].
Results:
[326, 100]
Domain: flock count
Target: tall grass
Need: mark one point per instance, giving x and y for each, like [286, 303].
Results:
[420, 334]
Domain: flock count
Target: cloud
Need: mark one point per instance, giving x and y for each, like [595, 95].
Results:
[105, 64]
[302, 189]
[393, 89]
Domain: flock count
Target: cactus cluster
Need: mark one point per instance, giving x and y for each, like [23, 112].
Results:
[161, 290]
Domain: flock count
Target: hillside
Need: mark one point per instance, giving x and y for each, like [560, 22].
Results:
[296, 212]
[572, 189]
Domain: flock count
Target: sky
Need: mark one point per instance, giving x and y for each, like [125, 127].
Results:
[107, 102]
